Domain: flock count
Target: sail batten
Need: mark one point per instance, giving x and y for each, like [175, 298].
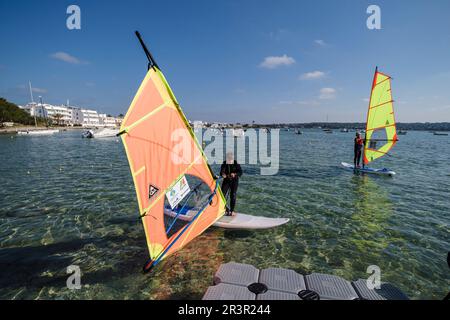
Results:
[152, 130]
[380, 118]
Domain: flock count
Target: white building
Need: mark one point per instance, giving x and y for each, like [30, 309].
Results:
[118, 121]
[218, 125]
[68, 115]
[197, 124]
[107, 121]
[60, 114]
[85, 117]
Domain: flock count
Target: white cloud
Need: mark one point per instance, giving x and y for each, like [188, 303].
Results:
[314, 75]
[320, 43]
[279, 34]
[63, 56]
[440, 108]
[273, 62]
[308, 103]
[286, 102]
[34, 89]
[327, 93]
[300, 103]
[39, 90]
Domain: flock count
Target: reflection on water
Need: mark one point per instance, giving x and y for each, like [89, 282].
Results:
[372, 208]
[66, 200]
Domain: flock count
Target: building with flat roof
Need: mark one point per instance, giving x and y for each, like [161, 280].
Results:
[62, 115]
[107, 121]
[71, 116]
[85, 117]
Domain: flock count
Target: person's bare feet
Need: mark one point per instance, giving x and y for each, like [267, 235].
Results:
[233, 214]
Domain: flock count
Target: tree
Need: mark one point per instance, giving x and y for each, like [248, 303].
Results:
[58, 117]
[9, 112]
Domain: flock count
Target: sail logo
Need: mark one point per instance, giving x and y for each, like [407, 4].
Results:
[152, 190]
[178, 192]
[374, 20]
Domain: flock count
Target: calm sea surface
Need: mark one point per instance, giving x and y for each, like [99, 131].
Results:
[66, 201]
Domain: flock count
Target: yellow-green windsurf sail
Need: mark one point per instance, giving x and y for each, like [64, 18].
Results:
[381, 134]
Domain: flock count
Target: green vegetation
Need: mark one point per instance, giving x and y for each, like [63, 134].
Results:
[9, 112]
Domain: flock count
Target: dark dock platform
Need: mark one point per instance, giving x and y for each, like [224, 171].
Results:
[237, 281]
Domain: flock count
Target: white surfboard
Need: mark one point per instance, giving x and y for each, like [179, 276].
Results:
[384, 171]
[239, 221]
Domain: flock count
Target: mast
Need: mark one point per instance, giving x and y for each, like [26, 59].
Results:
[151, 60]
[31, 91]
[368, 109]
[32, 101]
[43, 110]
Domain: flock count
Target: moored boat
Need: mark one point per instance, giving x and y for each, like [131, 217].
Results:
[37, 132]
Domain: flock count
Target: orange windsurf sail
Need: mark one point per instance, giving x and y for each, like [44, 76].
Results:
[162, 149]
[381, 134]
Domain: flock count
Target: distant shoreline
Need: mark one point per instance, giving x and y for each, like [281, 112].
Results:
[10, 130]
[404, 126]
[431, 127]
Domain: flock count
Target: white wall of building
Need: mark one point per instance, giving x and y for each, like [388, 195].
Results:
[85, 117]
[49, 111]
[106, 121]
[72, 115]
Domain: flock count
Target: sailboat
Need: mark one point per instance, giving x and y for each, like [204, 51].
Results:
[36, 132]
[380, 133]
[166, 159]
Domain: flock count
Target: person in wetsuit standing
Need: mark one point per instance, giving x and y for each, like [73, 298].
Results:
[231, 172]
[359, 144]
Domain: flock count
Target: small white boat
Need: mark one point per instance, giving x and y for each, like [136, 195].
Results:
[37, 132]
[87, 134]
[102, 133]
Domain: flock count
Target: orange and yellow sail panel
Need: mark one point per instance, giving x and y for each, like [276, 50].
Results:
[162, 149]
[380, 116]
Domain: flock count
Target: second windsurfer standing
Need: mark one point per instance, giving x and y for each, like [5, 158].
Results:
[359, 144]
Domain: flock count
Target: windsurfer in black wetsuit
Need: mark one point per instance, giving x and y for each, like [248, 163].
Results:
[231, 172]
[359, 144]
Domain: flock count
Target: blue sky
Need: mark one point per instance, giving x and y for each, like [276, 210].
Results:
[233, 61]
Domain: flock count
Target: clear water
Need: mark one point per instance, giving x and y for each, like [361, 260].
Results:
[70, 201]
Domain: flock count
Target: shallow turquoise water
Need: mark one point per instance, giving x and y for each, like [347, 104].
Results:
[66, 200]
